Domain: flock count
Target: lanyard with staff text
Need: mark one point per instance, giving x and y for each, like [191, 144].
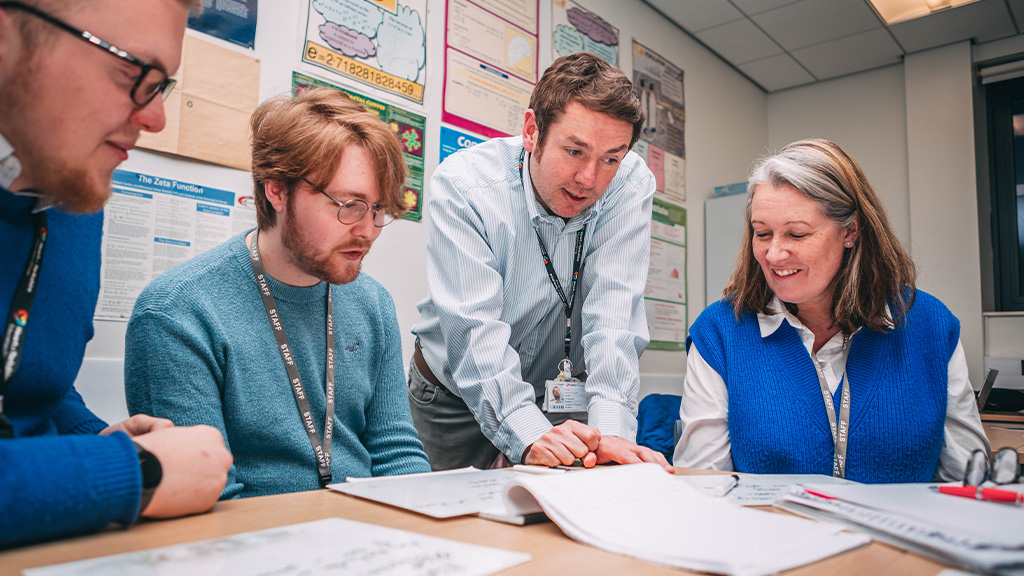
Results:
[17, 318]
[321, 450]
[577, 269]
[840, 430]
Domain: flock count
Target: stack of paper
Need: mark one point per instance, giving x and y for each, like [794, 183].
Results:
[641, 511]
[983, 536]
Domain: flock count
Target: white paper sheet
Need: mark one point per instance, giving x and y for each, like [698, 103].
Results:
[641, 511]
[323, 547]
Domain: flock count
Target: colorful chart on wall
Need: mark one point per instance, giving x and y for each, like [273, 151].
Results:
[411, 129]
[381, 43]
[231, 20]
[576, 29]
[490, 64]
[659, 84]
[665, 293]
[454, 140]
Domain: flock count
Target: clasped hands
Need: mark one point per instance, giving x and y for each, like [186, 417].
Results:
[572, 440]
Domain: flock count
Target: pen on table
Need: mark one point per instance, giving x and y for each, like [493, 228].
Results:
[735, 483]
[980, 493]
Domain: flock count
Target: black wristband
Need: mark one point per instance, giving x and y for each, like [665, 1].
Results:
[152, 472]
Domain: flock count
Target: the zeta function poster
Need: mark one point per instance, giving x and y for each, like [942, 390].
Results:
[377, 42]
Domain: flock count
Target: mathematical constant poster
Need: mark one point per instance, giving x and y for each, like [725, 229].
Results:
[576, 29]
[381, 43]
[665, 294]
[659, 84]
[411, 130]
[490, 64]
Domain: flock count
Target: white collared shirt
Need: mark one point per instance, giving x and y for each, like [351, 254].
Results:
[705, 408]
[491, 327]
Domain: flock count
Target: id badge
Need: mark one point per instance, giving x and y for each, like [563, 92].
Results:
[565, 393]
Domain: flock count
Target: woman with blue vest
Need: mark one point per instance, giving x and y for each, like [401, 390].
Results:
[823, 358]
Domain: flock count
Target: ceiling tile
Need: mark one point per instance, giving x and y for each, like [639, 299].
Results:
[696, 15]
[856, 53]
[751, 7]
[984, 21]
[812, 22]
[776, 72]
[1017, 6]
[739, 42]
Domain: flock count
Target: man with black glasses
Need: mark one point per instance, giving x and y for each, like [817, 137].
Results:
[275, 337]
[78, 82]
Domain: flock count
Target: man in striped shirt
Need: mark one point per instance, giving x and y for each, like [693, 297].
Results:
[538, 253]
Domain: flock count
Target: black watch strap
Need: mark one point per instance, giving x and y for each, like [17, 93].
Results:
[152, 472]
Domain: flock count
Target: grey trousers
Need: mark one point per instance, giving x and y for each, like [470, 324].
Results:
[450, 434]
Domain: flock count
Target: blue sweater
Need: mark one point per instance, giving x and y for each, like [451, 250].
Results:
[777, 423]
[57, 477]
[200, 350]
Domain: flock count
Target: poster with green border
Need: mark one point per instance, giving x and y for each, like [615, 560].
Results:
[411, 129]
[665, 298]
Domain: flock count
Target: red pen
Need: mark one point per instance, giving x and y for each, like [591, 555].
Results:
[986, 494]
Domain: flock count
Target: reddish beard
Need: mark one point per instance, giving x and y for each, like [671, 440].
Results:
[314, 258]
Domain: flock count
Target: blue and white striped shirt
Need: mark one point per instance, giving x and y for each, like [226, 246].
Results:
[492, 326]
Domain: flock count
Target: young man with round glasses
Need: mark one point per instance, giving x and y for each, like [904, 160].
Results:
[78, 82]
[271, 332]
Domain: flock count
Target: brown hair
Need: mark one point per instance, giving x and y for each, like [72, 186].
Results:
[874, 273]
[590, 81]
[293, 138]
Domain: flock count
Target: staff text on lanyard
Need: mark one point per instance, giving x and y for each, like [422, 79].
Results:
[322, 450]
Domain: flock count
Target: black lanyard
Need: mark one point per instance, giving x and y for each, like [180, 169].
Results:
[577, 269]
[17, 318]
[321, 450]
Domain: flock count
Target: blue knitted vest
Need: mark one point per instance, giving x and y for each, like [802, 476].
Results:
[898, 389]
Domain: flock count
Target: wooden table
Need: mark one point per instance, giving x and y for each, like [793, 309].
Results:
[552, 551]
[1005, 433]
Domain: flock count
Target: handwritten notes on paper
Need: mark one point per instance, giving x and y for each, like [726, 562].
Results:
[325, 547]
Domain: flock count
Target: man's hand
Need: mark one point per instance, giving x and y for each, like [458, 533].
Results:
[138, 425]
[563, 444]
[195, 466]
[619, 450]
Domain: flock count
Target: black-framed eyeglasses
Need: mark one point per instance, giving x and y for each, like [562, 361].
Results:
[152, 80]
[1003, 468]
[352, 211]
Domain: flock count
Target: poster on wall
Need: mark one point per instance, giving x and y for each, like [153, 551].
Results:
[381, 43]
[659, 85]
[230, 20]
[454, 140]
[152, 224]
[665, 293]
[410, 128]
[576, 29]
[490, 64]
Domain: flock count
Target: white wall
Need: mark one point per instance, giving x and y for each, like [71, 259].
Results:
[726, 128]
[911, 127]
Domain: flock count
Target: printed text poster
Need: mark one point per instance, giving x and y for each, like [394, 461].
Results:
[659, 84]
[490, 65]
[411, 130]
[152, 224]
[376, 42]
[665, 294]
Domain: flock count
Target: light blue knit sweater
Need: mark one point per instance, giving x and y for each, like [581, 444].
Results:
[200, 350]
